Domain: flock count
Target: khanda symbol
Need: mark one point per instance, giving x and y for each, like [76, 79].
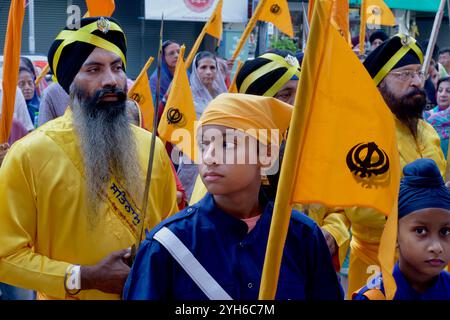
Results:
[368, 165]
[136, 97]
[175, 117]
[275, 9]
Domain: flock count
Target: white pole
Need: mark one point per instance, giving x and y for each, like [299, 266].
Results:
[433, 37]
[305, 26]
[31, 42]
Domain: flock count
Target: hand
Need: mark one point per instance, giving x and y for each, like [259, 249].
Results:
[332, 245]
[4, 147]
[109, 275]
[179, 197]
[447, 184]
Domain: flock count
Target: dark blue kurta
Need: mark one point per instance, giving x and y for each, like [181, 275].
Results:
[234, 258]
[439, 291]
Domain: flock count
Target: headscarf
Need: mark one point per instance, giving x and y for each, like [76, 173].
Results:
[250, 114]
[72, 47]
[268, 73]
[166, 76]
[34, 102]
[422, 187]
[398, 51]
[200, 93]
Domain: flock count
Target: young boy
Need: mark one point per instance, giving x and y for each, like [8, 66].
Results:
[423, 237]
[215, 249]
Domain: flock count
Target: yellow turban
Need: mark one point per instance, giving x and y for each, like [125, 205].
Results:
[248, 113]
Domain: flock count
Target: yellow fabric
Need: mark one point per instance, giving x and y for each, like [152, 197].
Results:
[277, 12]
[214, 24]
[340, 18]
[198, 192]
[177, 121]
[141, 93]
[44, 224]
[373, 12]
[314, 167]
[250, 114]
[11, 62]
[98, 8]
[367, 224]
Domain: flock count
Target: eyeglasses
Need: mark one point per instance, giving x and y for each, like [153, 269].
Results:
[408, 75]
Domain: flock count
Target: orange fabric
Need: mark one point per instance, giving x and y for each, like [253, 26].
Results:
[277, 12]
[100, 7]
[11, 61]
[330, 123]
[214, 25]
[177, 120]
[340, 17]
[233, 88]
[141, 93]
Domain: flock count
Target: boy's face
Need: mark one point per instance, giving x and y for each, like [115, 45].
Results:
[424, 243]
[229, 161]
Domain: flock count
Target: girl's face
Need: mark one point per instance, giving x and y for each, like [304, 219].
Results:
[443, 94]
[424, 244]
[207, 70]
[26, 84]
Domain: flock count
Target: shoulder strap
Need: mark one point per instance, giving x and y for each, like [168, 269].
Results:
[191, 265]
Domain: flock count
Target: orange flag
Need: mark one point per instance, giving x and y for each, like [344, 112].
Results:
[141, 93]
[177, 121]
[274, 11]
[233, 87]
[310, 10]
[212, 27]
[100, 8]
[340, 18]
[277, 12]
[11, 60]
[374, 12]
[341, 149]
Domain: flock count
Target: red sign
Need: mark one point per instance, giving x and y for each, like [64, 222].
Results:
[198, 5]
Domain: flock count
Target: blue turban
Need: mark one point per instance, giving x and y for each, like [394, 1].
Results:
[422, 187]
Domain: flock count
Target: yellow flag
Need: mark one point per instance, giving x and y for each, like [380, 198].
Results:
[233, 87]
[212, 27]
[374, 12]
[340, 18]
[177, 121]
[310, 10]
[214, 24]
[100, 7]
[11, 60]
[141, 93]
[277, 12]
[341, 148]
[274, 11]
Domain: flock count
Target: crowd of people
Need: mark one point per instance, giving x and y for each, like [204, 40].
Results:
[73, 175]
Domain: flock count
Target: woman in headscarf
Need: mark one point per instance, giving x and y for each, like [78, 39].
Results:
[26, 84]
[206, 80]
[170, 51]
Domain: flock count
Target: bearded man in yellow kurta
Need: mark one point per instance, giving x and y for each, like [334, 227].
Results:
[71, 192]
[395, 67]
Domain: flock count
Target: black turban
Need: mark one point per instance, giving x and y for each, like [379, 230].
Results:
[266, 74]
[398, 51]
[72, 47]
[422, 187]
[379, 34]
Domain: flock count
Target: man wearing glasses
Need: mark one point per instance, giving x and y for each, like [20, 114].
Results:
[395, 66]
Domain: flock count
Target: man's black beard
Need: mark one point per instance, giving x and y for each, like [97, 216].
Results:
[408, 109]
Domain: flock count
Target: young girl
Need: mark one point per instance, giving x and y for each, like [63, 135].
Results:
[423, 237]
[216, 248]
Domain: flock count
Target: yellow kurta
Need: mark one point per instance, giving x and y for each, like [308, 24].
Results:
[44, 223]
[367, 224]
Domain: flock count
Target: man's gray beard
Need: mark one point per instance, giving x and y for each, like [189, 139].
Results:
[106, 139]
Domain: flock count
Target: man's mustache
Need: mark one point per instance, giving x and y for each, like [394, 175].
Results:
[99, 94]
[416, 91]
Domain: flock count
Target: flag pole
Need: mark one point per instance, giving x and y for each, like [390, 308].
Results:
[250, 25]
[433, 37]
[305, 26]
[195, 47]
[148, 179]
